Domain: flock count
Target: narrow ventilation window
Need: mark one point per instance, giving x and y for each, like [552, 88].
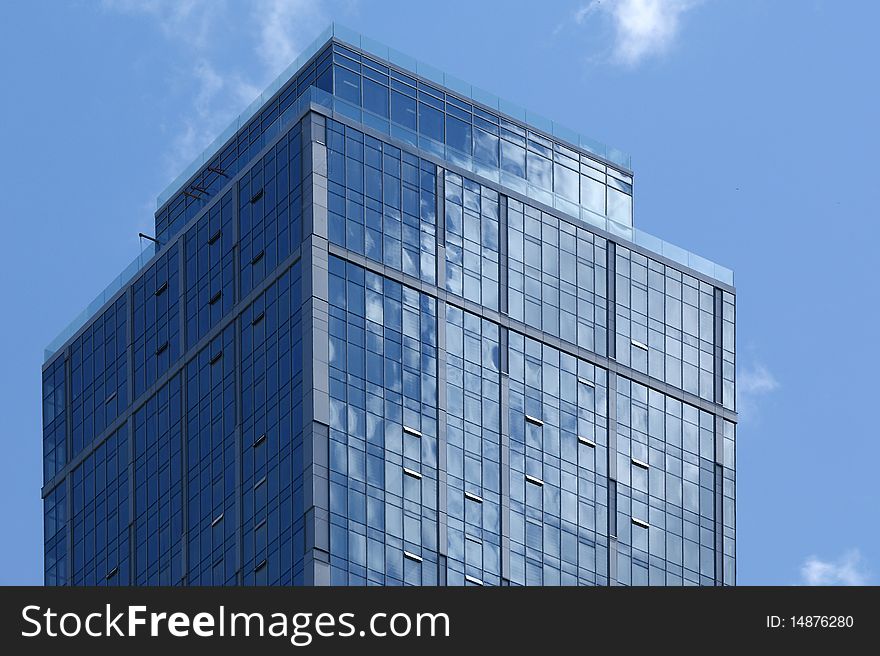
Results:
[260, 524]
[472, 497]
[213, 238]
[257, 196]
[534, 420]
[257, 319]
[472, 579]
[411, 472]
[639, 463]
[111, 397]
[588, 383]
[534, 480]
[260, 565]
[113, 572]
[586, 441]
[412, 431]
[161, 289]
[640, 522]
[259, 482]
[217, 520]
[639, 344]
[215, 298]
[259, 440]
[412, 556]
[216, 357]
[258, 257]
[161, 348]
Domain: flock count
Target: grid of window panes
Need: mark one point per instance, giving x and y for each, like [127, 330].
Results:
[209, 270]
[210, 458]
[270, 210]
[97, 376]
[100, 515]
[520, 158]
[55, 536]
[665, 489]
[556, 277]
[426, 115]
[728, 490]
[473, 449]
[383, 375]
[272, 507]
[156, 320]
[382, 202]
[472, 241]
[383, 430]
[665, 323]
[97, 361]
[558, 425]
[158, 490]
[728, 349]
[54, 420]
[246, 145]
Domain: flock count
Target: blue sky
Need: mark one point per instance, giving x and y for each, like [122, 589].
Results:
[753, 130]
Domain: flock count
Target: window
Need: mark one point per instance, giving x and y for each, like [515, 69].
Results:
[383, 429]
[486, 148]
[458, 135]
[403, 110]
[593, 194]
[513, 159]
[375, 97]
[565, 182]
[472, 241]
[348, 85]
[430, 122]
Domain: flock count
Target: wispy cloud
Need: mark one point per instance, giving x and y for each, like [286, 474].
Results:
[216, 101]
[757, 380]
[217, 91]
[190, 20]
[642, 28]
[849, 569]
[284, 27]
[753, 383]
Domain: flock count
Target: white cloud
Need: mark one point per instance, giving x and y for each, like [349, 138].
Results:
[849, 569]
[286, 26]
[189, 20]
[756, 380]
[216, 101]
[642, 28]
[753, 382]
[278, 29]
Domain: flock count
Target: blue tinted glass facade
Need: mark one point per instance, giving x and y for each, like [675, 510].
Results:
[270, 210]
[559, 484]
[156, 326]
[211, 463]
[473, 448]
[99, 522]
[383, 343]
[381, 202]
[210, 270]
[158, 487]
[383, 430]
[271, 425]
[557, 277]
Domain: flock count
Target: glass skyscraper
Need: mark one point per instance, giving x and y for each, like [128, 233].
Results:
[394, 331]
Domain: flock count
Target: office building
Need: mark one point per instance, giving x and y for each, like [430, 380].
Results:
[396, 331]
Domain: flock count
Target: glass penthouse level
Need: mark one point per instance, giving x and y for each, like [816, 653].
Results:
[396, 331]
